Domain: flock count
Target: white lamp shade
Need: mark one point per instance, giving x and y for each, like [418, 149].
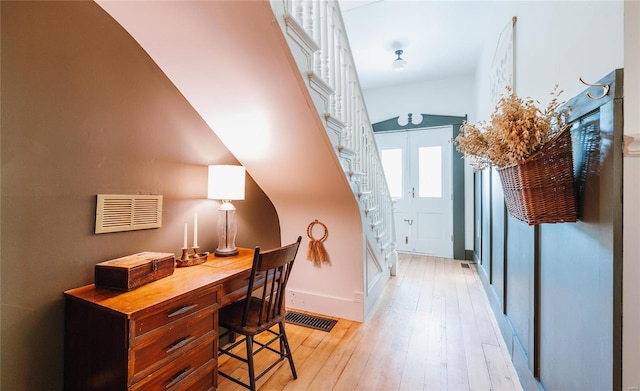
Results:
[226, 182]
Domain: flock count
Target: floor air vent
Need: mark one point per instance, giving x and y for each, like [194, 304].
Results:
[311, 321]
[465, 265]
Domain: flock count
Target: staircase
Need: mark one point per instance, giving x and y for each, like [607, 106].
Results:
[315, 33]
[276, 82]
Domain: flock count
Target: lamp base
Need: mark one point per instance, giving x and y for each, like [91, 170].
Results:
[227, 230]
[227, 252]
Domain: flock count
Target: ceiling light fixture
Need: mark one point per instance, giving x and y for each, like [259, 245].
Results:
[399, 63]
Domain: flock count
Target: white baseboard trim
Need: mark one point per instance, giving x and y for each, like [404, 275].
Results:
[631, 145]
[337, 307]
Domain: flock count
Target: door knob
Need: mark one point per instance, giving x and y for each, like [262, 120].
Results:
[410, 221]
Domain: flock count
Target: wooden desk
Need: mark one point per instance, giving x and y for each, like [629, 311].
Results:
[160, 335]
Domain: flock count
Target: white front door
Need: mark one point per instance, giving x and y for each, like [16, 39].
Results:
[417, 165]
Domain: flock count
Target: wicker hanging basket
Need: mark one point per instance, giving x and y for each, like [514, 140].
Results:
[541, 188]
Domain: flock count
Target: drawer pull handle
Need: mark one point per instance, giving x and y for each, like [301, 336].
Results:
[180, 343]
[179, 376]
[182, 310]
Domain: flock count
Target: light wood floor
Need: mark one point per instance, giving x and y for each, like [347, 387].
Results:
[432, 329]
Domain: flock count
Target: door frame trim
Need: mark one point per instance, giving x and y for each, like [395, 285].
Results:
[457, 167]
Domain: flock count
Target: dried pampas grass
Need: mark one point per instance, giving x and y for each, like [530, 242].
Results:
[517, 129]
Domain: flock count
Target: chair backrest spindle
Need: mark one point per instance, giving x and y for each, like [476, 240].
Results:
[271, 270]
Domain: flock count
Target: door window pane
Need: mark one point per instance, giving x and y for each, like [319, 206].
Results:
[392, 166]
[430, 172]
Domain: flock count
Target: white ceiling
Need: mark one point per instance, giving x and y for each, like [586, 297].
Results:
[440, 39]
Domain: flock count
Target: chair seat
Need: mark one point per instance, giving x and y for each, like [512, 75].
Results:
[230, 317]
[256, 315]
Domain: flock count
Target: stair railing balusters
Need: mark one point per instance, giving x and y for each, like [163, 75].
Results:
[334, 65]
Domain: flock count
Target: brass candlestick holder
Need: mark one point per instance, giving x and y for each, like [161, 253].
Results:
[191, 259]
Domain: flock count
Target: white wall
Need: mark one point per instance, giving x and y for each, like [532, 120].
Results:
[454, 96]
[556, 43]
[631, 219]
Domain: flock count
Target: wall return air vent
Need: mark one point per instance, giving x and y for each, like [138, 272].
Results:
[117, 212]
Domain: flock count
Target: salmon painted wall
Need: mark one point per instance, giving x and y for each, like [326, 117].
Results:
[232, 62]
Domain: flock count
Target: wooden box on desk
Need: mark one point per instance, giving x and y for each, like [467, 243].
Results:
[135, 270]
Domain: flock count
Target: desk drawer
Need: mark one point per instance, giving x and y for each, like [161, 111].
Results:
[174, 310]
[205, 383]
[156, 348]
[196, 367]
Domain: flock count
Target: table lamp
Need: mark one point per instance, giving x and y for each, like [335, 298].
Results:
[226, 183]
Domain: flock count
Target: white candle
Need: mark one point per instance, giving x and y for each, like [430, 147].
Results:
[195, 230]
[184, 242]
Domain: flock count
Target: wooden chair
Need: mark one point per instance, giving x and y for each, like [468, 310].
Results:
[255, 315]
